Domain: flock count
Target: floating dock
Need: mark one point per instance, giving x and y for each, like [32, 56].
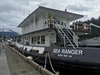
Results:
[14, 63]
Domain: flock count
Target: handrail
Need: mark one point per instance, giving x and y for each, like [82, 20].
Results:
[66, 37]
[70, 32]
[58, 27]
[94, 25]
[63, 26]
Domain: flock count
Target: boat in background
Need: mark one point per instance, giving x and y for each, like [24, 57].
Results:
[92, 42]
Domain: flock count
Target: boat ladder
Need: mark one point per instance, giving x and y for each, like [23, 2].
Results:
[66, 34]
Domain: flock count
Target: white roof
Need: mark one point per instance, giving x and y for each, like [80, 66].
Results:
[43, 10]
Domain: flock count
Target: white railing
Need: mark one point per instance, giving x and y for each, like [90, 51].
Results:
[59, 27]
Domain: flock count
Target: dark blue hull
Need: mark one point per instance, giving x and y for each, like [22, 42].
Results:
[80, 58]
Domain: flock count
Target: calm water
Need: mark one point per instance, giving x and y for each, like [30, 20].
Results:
[63, 71]
[73, 72]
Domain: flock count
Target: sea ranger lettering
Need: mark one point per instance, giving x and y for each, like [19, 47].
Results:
[68, 51]
[73, 52]
[56, 51]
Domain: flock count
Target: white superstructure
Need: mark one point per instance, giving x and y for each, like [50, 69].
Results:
[37, 28]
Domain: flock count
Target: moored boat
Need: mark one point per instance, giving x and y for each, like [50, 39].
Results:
[92, 42]
[47, 36]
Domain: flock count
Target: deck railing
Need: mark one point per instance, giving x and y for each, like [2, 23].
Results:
[81, 26]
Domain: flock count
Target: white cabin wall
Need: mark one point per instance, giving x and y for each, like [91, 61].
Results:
[52, 37]
[30, 27]
[26, 39]
[23, 30]
[49, 37]
[34, 26]
[40, 25]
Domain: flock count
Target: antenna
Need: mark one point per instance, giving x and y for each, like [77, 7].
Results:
[38, 5]
[65, 10]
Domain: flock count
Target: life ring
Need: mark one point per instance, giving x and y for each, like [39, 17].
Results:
[85, 26]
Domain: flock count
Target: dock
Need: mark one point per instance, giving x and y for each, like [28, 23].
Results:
[14, 63]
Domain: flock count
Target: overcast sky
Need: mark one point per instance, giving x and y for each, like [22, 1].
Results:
[12, 12]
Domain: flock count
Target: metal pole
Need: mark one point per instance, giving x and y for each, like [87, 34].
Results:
[64, 40]
[3, 34]
[3, 40]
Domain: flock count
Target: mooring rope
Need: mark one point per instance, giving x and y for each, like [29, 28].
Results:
[45, 60]
[56, 73]
[38, 57]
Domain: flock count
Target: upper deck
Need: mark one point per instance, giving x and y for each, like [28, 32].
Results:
[37, 19]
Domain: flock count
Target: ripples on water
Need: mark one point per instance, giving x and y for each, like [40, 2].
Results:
[63, 71]
[75, 72]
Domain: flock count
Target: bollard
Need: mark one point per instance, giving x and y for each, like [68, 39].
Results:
[35, 65]
[29, 57]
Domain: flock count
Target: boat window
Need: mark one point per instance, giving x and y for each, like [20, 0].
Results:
[31, 39]
[38, 39]
[34, 40]
[43, 39]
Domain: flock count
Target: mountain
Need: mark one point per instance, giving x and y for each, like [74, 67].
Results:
[8, 33]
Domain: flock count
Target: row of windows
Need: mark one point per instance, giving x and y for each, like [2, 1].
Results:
[38, 39]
